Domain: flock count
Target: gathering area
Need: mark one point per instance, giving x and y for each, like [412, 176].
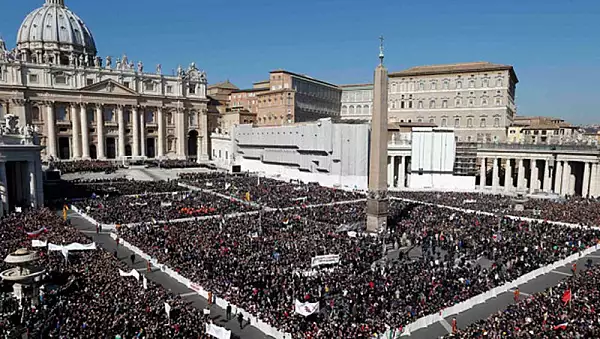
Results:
[294, 260]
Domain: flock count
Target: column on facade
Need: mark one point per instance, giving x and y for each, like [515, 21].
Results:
[508, 184]
[161, 133]
[136, 132]
[533, 179]
[3, 189]
[546, 181]
[181, 137]
[594, 181]
[76, 127]
[566, 179]
[402, 171]
[100, 133]
[85, 132]
[143, 132]
[558, 177]
[495, 174]
[121, 122]
[390, 171]
[32, 184]
[482, 170]
[204, 151]
[585, 188]
[520, 175]
[51, 128]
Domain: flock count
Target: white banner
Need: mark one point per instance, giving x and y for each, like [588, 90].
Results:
[306, 309]
[133, 273]
[38, 243]
[217, 331]
[325, 260]
[72, 247]
[145, 282]
[165, 204]
[168, 310]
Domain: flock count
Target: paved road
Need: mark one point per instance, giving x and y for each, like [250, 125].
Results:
[218, 314]
[494, 305]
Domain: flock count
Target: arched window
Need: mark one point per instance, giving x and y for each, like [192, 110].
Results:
[431, 120]
[470, 122]
[344, 110]
[351, 109]
[366, 109]
[420, 105]
[496, 122]
[471, 83]
[482, 123]
[358, 109]
[444, 122]
[459, 84]
[444, 103]
[35, 113]
[432, 104]
[456, 122]
[433, 86]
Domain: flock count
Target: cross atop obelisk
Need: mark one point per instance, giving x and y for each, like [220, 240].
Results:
[377, 201]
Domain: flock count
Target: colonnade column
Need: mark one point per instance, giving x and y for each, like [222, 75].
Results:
[495, 175]
[585, 188]
[142, 132]
[594, 181]
[100, 132]
[76, 127]
[181, 137]
[401, 172]
[558, 177]
[32, 184]
[390, 171]
[51, 125]
[136, 132]
[520, 175]
[85, 132]
[508, 183]
[121, 122]
[566, 179]
[482, 170]
[533, 178]
[546, 183]
[161, 133]
[3, 188]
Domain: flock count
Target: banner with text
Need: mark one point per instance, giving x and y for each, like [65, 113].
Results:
[217, 331]
[325, 260]
[306, 309]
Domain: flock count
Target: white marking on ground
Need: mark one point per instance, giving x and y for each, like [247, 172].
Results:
[188, 294]
[447, 326]
[523, 293]
[563, 273]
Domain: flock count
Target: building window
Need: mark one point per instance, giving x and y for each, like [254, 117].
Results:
[486, 83]
[457, 102]
[219, 154]
[89, 82]
[91, 114]
[471, 83]
[149, 86]
[351, 109]
[431, 120]
[471, 102]
[420, 105]
[484, 102]
[169, 89]
[457, 122]
[169, 118]
[432, 104]
[402, 104]
[126, 84]
[421, 86]
[482, 123]
[192, 89]
[444, 122]
[60, 80]
[394, 88]
[61, 113]
[459, 84]
[469, 122]
[444, 103]
[344, 110]
[410, 104]
[420, 120]
[498, 82]
[33, 78]
[109, 114]
[446, 84]
[366, 110]
[402, 87]
[498, 102]
[433, 86]
[35, 113]
[226, 155]
[496, 122]
[411, 86]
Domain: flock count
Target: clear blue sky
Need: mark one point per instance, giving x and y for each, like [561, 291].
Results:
[553, 44]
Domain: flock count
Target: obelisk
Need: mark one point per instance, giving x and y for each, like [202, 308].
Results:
[377, 201]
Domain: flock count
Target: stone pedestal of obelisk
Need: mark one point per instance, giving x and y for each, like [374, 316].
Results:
[377, 201]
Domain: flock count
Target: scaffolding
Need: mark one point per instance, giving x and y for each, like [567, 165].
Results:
[465, 163]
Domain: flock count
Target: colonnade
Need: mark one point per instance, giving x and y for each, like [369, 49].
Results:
[561, 176]
[25, 181]
[80, 135]
[397, 171]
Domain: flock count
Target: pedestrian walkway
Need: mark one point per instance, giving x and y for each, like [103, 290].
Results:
[218, 315]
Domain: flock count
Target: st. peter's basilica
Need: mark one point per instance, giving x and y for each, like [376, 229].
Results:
[86, 107]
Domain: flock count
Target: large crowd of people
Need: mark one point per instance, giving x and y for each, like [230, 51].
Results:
[571, 209]
[568, 310]
[269, 192]
[158, 207]
[262, 262]
[85, 297]
[82, 166]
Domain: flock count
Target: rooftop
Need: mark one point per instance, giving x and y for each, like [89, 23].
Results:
[480, 66]
[225, 84]
[304, 76]
[355, 85]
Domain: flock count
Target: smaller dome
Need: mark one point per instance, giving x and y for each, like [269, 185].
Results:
[53, 28]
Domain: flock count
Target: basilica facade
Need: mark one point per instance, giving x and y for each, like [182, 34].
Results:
[87, 107]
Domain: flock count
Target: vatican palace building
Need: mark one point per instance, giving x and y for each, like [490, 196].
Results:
[87, 107]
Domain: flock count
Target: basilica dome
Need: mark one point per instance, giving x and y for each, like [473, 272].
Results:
[53, 33]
